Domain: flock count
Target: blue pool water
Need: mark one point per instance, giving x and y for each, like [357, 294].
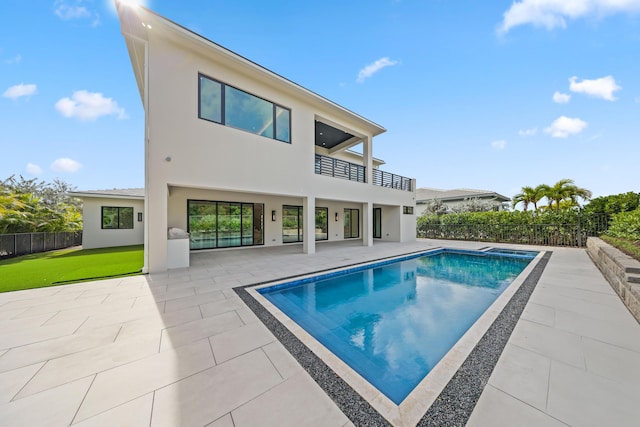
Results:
[393, 322]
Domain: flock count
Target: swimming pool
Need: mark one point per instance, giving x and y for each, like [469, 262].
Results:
[393, 321]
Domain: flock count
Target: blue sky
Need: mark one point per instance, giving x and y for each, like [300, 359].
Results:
[475, 94]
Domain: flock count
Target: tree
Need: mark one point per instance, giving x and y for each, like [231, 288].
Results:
[565, 190]
[28, 206]
[529, 195]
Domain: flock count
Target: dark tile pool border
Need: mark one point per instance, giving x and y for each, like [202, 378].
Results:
[455, 403]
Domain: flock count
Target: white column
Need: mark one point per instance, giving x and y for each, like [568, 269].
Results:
[367, 224]
[367, 154]
[309, 225]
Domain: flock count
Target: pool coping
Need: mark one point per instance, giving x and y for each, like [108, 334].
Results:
[447, 395]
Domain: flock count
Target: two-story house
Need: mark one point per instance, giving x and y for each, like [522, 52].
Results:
[240, 156]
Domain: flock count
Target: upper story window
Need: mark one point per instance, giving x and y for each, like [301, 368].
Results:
[224, 104]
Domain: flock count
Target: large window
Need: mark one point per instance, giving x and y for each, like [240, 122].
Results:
[322, 230]
[229, 106]
[351, 223]
[214, 224]
[117, 218]
[292, 230]
[377, 223]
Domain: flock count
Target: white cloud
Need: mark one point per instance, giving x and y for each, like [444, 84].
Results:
[85, 105]
[15, 60]
[65, 164]
[561, 98]
[598, 88]
[528, 132]
[374, 67]
[33, 169]
[75, 9]
[564, 126]
[552, 14]
[17, 91]
[499, 144]
[67, 12]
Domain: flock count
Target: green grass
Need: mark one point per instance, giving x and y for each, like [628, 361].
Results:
[68, 266]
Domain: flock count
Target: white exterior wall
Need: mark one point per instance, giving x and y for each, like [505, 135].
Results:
[93, 236]
[185, 152]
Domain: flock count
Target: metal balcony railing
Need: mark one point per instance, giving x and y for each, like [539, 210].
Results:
[391, 180]
[338, 168]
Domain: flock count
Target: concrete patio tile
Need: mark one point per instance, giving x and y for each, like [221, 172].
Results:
[134, 413]
[207, 396]
[51, 408]
[610, 361]
[202, 328]
[224, 421]
[9, 314]
[287, 405]
[247, 315]
[63, 304]
[549, 342]
[27, 298]
[539, 314]
[523, 375]
[180, 303]
[222, 306]
[10, 325]
[144, 376]
[580, 398]
[57, 347]
[12, 381]
[26, 336]
[590, 309]
[89, 362]
[623, 334]
[120, 316]
[153, 325]
[498, 409]
[282, 360]
[604, 296]
[31, 294]
[240, 340]
[84, 312]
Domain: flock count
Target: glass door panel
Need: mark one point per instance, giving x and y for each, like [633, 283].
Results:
[258, 224]
[292, 224]
[377, 223]
[322, 231]
[202, 225]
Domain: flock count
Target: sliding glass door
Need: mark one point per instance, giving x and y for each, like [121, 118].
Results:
[214, 224]
[351, 223]
[292, 230]
[322, 224]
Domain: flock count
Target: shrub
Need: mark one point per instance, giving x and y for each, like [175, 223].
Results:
[625, 225]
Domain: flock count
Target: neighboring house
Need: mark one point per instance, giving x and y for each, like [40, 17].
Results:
[453, 199]
[112, 217]
[240, 156]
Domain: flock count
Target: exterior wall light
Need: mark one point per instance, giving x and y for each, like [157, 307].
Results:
[273, 215]
[139, 216]
[336, 216]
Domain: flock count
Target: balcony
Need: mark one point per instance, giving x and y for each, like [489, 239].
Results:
[391, 180]
[343, 169]
[338, 168]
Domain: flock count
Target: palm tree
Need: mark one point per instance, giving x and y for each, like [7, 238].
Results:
[565, 189]
[529, 195]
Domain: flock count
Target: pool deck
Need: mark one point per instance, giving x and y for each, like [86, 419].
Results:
[182, 349]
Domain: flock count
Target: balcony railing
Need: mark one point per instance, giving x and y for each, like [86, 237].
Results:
[338, 168]
[391, 180]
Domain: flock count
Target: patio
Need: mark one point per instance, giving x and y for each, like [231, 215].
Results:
[183, 349]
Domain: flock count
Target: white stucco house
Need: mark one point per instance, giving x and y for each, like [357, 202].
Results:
[112, 217]
[239, 156]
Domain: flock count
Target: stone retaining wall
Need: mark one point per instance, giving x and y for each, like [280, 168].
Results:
[622, 272]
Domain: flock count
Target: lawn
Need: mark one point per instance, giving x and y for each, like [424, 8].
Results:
[68, 266]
